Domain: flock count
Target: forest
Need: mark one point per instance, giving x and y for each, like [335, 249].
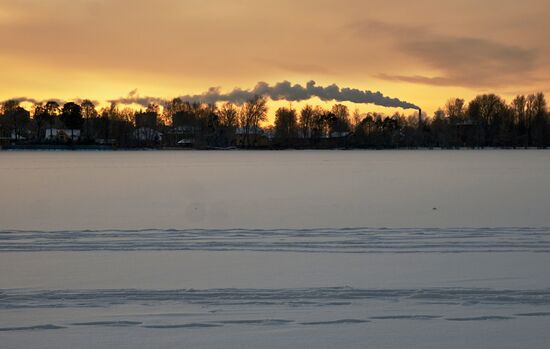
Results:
[486, 121]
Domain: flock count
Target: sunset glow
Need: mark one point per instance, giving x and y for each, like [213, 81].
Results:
[423, 52]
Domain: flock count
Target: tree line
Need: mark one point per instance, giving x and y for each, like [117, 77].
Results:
[486, 121]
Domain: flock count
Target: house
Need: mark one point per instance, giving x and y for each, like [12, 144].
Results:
[105, 141]
[181, 136]
[17, 136]
[341, 134]
[61, 134]
[186, 142]
[146, 134]
[251, 137]
[253, 130]
[185, 129]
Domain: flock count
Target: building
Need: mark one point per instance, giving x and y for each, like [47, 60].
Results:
[61, 134]
[251, 137]
[146, 134]
[186, 142]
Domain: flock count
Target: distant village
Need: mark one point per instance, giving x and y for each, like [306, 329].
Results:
[486, 121]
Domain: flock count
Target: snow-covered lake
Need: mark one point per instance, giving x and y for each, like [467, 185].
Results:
[293, 249]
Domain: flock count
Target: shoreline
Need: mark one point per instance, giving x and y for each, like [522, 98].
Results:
[110, 148]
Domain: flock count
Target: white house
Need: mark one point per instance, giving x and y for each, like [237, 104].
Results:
[147, 134]
[17, 136]
[186, 142]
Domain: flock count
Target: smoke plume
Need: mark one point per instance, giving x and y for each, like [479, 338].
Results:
[280, 91]
[39, 101]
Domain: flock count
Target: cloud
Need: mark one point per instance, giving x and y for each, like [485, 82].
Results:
[461, 61]
[280, 91]
[294, 66]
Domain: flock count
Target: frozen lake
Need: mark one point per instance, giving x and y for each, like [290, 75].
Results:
[293, 249]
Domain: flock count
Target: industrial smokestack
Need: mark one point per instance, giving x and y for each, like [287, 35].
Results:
[419, 116]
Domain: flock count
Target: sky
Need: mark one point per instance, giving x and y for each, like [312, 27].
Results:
[422, 52]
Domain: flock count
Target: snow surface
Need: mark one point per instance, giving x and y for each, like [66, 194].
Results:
[266, 249]
[279, 189]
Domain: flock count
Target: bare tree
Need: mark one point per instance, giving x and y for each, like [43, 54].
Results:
[253, 112]
[171, 108]
[286, 126]
[536, 119]
[455, 110]
[487, 111]
[229, 115]
[307, 121]
[341, 123]
[356, 118]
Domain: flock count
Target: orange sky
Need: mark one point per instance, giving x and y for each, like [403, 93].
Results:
[423, 51]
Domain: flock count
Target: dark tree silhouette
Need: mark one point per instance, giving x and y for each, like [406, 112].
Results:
[91, 120]
[71, 116]
[15, 119]
[341, 122]
[229, 115]
[252, 113]
[286, 126]
[307, 116]
[486, 121]
[52, 111]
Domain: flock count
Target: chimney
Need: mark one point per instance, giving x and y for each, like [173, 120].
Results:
[419, 117]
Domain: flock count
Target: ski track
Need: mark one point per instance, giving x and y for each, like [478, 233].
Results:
[351, 240]
[475, 304]
[330, 296]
